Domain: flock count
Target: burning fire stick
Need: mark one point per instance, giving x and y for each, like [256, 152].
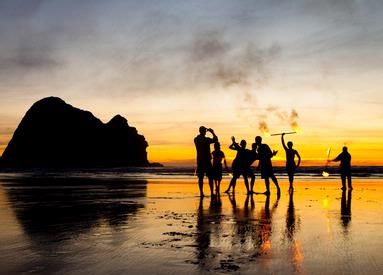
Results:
[279, 134]
[324, 173]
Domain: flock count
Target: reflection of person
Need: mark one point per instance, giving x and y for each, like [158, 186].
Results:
[345, 208]
[290, 160]
[202, 144]
[218, 156]
[292, 227]
[291, 224]
[241, 165]
[264, 155]
[345, 167]
[208, 220]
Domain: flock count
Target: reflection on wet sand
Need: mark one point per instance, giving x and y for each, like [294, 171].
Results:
[56, 209]
[115, 226]
[243, 239]
[292, 227]
[345, 209]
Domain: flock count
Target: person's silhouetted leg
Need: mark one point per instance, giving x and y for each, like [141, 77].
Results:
[217, 185]
[291, 180]
[246, 183]
[343, 177]
[211, 185]
[234, 184]
[200, 185]
[267, 183]
[233, 179]
[252, 181]
[274, 179]
[349, 181]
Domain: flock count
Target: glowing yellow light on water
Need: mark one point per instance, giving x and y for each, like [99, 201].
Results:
[325, 203]
[231, 175]
[325, 174]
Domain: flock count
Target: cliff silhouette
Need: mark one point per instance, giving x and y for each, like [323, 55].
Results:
[54, 134]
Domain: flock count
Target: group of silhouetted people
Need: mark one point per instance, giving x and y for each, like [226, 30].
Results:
[210, 163]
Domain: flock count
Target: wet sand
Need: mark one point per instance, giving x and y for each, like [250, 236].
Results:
[114, 225]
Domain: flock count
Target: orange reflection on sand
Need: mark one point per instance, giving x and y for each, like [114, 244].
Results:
[266, 246]
[298, 255]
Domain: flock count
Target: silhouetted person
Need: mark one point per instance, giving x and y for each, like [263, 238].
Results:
[345, 167]
[202, 144]
[345, 208]
[218, 157]
[265, 154]
[241, 166]
[290, 160]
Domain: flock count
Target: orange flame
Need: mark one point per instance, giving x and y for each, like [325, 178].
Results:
[263, 127]
[295, 127]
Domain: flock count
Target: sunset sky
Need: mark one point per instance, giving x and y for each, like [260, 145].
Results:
[171, 66]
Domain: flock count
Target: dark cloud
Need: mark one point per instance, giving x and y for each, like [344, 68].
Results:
[36, 52]
[220, 61]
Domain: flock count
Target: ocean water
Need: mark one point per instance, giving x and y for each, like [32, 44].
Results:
[172, 172]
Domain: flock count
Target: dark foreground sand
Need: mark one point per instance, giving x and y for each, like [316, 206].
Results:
[90, 225]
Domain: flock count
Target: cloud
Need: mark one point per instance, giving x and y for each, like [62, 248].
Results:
[32, 53]
[220, 61]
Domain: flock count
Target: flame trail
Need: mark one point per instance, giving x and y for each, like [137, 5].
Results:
[284, 116]
[264, 128]
[293, 121]
[324, 173]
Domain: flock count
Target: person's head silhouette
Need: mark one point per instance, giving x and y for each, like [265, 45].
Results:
[345, 149]
[202, 130]
[217, 146]
[258, 140]
[243, 143]
[290, 144]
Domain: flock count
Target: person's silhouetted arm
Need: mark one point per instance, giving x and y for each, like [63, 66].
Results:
[299, 158]
[274, 153]
[215, 138]
[283, 141]
[234, 145]
[338, 158]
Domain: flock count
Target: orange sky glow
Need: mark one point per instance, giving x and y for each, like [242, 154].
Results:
[172, 66]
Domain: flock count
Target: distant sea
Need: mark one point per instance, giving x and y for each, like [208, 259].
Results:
[170, 172]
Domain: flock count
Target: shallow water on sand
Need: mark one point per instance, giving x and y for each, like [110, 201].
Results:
[86, 225]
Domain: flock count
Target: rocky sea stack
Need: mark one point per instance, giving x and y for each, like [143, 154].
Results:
[54, 134]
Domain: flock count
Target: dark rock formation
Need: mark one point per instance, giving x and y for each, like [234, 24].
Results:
[54, 134]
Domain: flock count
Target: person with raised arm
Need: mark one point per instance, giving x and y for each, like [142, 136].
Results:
[241, 166]
[202, 144]
[291, 166]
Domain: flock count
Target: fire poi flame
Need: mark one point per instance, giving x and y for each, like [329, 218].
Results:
[325, 174]
[263, 127]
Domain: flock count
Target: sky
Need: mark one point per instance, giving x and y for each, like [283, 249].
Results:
[172, 66]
